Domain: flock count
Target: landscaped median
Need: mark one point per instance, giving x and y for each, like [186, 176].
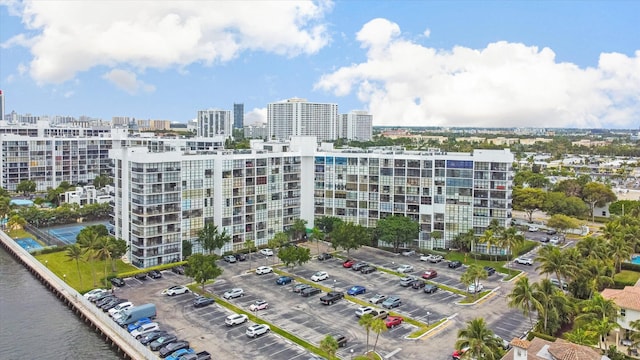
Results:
[305, 344]
[422, 327]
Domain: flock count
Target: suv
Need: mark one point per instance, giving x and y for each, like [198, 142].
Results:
[235, 319]
[240, 256]
[407, 281]
[233, 293]
[263, 270]
[431, 258]
[331, 297]
[490, 271]
[154, 274]
[309, 291]
[324, 256]
[523, 261]
[282, 280]
[555, 282]
[140, 276]
[257, 330]
[117, 282]
[229, 258]
[430, 288]
[404, 269]
[368, 269]
[340, 339]
[418, 284]
[391, 302]
[455, 264]
[319, 276]
[359, 266]
[364, 310]
[178, 269]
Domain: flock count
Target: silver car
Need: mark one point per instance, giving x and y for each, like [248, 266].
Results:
[233, 293]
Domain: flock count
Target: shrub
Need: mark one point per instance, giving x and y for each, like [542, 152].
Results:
[533, 334]
[51, 250]
[630, 266]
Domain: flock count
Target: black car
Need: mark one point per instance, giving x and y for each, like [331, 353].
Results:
[324, 256]
[152, 336]
[111, 304]
[310, 291]
[162, 341]
[430, 288]
[178, 269]
[455, 264]
[117, 282]
[154, 274]
[140, 276]
[341, 340]
[240, 257]
[202, 301]
[174, 346]
[418, 284]
[490, 271]
[359, 266]
[102, 296]
[368, 269]
[105, 300]
[552, 232]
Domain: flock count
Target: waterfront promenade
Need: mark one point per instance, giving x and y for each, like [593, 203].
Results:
[120, 339]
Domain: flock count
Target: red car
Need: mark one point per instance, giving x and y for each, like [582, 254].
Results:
[393, 321]
[348, 263]
[429, 274]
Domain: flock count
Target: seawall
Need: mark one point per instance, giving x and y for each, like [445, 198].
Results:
[121, 341]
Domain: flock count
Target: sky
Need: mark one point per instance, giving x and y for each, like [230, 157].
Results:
[474, 63]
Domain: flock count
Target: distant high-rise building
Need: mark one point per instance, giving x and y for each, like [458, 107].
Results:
[238, 116]
[356, 125]
[214, 122]
[1, 105]
[297, 117]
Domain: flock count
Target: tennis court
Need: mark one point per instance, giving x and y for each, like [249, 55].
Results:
[68, 234]
[29, 244]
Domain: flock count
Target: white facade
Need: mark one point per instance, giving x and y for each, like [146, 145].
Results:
[297, 117]
[84, 195]
[356, 125]
[215, 122]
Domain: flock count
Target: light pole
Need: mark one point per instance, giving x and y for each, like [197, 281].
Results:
[64, 276]
[351, 351]
[46, 263]
[334, 284]
[428, 314]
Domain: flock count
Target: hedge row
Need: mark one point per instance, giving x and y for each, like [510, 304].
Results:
[533, 334]
[630, 266]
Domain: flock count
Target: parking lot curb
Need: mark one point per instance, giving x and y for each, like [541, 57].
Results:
[482, 299]
[435, 330]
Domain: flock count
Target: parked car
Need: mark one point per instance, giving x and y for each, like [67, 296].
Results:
[319, 276]
[202, 301]
[310, 291]
[117, 282]
[404, 268]
[176, 290]
[141, 276]
[490, 271]
[105, 300]
[113, 303]
[235, 319]
[257, 330]
[475, 289]
[457, 354]
[377, 298]
[429, 274]
[266, 252]
[299, 287]
[154, 274]
[533, 228]
[431, 258]
[137, 324]
[324, 256]
[391, 302]
[145, 329]
[551, 231]
[380, 313]
[348, 263]
[120, 307]
[93, 293]
[233, 293]
[455, 264]
[368, 269]
[406, 281]
[178, 354]
[393, 321]
[283, 280]
[263, 270]
[340, 339]
[174, 346]
[201, 355]
[162, 341]
[356, 290]
[240, 256]
[152, 336]
[229, 258]
[430, 288]
[408, 253]
[418, 284]
[361, 311]
[555, 282]
[178, 270]
[359, 266]
[523, 261]
[331, 297]
[259, 305]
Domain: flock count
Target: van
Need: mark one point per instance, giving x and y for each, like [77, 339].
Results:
[133, 314]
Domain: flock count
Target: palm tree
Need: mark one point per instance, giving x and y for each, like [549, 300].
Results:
[522, 298]
[103, 252]
[119, 247]
[473, 275]
[250, 246]
[635, 335]
[479, 339]
[619, 250]
[366, 321]
[16, 222]
[554, 305]
[582, 336]
[488, 238]
[592, 247]
[329, 345]
[553, 261]
[88, 240]
[378, 326]
[75, 253]
[597, 308]
[602, 327]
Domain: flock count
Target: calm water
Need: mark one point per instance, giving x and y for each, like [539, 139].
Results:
[34, 324]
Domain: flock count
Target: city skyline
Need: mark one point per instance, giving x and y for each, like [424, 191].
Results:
[408, 63]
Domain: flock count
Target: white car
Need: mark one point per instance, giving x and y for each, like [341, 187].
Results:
[235, 319]
[233, 293]
[408, 253]
[257, 330]
[144, 329]
[431, 258]
[473, 289]
[120, 307]
[533, 228]
[176, 290]
[259, 305]
[319, 276]
[364, 310]
[523, 261]
[266, 252]
[263, 270]
[377, 298]
[94, 293]
[404, 269]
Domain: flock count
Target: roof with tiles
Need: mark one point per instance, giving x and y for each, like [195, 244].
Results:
[627, 298]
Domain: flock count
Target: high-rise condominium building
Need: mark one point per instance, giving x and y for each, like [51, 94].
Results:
[356, 125]
[214, 122]
[238, 116]
[297, 117]
[165, 197]
[1, 105]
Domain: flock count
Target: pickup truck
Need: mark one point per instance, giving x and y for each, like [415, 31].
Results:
[331, 297]
[202, 355]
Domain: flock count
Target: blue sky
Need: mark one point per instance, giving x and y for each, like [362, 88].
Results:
[413, 63]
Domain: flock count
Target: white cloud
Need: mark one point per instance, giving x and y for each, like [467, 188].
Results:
[427, 33]
[503, 85]
[75, 36]
[257, 115]
[127, 81]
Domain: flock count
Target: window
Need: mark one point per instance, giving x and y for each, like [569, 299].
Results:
[623, 312]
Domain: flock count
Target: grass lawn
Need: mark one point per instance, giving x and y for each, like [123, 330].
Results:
[21, 233]
[61, 266]
[627, 277]
[500, 266]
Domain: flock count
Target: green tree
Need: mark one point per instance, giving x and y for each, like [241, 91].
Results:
[624, 207]
[187, 248]
[279, 240]
[597, 194]
[597, 308]
[480, 340]
[26, 187]
[298, 229]
[581, 336]
[202, 268]
[559, 203]
[119, 247]
[522, 298]
[75, 253]
[489, 239]
[101, 181]
[378, 326]
[569, 187]
[349, 236]
[210, 238]
[602, 327]
[250, 246]
[528, 200]
[329, 345]
[16, 222]
[553, 261]
[317, 235]
[555, 309]
[88, 240]
[562, 223]
[635, 335]
[103, 252]
[366, 321]
[292, 255]
[397, 230]
[5, 206]
[472, 276]
[464, 241]
[327, 223]
[619, 250]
